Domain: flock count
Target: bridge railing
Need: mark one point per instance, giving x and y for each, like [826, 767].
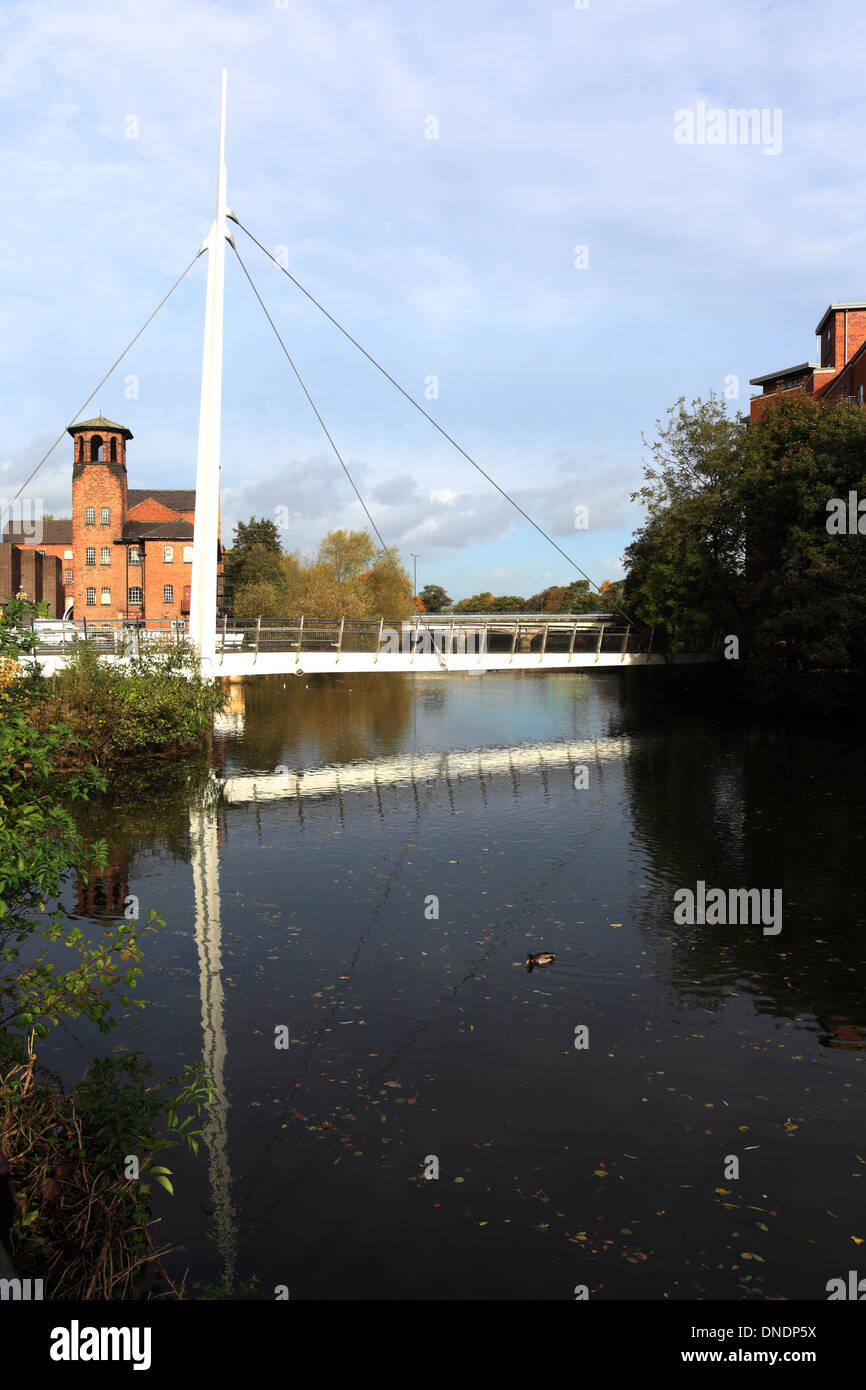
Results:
[434, 633]
[445, 634]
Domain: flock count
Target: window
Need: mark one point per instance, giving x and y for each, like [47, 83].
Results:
[106, 596]
[91, 596]
[90, 516]
[67, 576]
[105, 555]
[860, 394]
[135, 594]
[96, 449]
[104, 516]
[90, 555]
[114, 451]
[67, 555]
[167, 554]
[168, 593]
[134, 555]
[187, 555]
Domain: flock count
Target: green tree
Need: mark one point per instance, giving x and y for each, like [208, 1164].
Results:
[254, 555]
[434, 598]
[686, 562]
[256, 532]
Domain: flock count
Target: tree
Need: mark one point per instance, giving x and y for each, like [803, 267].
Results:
[434, 598]
[383, 591]
[253, 533]
[348, 553]
[686, 562]
[254, 553]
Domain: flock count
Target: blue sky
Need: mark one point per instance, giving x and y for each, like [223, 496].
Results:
[451, 257]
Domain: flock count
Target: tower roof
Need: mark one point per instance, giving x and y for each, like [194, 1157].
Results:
[99, 422]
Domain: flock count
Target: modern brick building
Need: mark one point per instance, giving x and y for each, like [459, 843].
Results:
[841, 371]
[125, 552]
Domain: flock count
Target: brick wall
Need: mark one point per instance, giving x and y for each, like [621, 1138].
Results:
[157, 574]
[99, 485]
[52, 584]
[10, 570]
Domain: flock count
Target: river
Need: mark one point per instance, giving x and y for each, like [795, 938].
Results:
[384, 853]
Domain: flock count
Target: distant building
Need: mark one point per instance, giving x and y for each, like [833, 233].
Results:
[840, 374]
[29, 571]
[125, 552]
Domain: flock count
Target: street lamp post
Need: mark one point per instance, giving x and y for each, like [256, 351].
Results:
[415, 575]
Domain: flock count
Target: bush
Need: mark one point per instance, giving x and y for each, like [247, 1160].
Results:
[155, 703]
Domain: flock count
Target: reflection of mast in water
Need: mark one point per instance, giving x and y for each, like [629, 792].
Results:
[205, 869]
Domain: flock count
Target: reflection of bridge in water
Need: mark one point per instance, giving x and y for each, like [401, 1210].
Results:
[420, 769]
[415, 772]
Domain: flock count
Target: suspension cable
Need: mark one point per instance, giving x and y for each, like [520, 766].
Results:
[427, 416]
[99, 384]
[386, 549]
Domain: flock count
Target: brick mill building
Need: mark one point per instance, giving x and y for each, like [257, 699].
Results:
[125, 552]
[841, 372]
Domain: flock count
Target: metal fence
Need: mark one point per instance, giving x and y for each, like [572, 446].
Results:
[446, 635]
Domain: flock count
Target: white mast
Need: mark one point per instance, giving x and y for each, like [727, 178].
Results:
[202, 611]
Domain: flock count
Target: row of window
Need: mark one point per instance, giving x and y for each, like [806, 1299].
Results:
[134, 555]
[104, 516]
[136, 595]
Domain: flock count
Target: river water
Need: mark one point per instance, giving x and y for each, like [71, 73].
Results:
[666, 1111]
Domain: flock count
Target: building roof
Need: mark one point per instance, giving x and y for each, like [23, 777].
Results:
[178, 499]
[789, 371]
[169, 530]
[852, 304]
[99, 422]
[57, 532]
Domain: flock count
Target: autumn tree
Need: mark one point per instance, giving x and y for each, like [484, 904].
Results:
[347, 553]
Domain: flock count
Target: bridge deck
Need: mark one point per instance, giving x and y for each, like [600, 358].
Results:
[445, 644]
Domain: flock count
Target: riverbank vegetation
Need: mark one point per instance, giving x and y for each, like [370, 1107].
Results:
[740, 541]
[156, 704]
[82, 1222]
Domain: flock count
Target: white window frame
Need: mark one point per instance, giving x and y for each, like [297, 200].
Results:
[105, 597]
[91, 602]
[90, 555]
[187, 555]
[136, 589]
[105, 551]
[90, 516]
[168, 554]
[168, 593]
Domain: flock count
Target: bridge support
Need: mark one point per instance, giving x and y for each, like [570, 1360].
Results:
[202, 610]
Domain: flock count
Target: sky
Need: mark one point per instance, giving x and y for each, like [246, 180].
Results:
[525, 210]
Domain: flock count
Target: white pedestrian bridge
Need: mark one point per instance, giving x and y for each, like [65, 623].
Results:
[449, 644]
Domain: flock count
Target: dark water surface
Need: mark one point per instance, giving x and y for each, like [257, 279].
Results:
[305, 902]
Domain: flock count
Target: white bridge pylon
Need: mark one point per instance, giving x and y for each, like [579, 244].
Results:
[203, 597]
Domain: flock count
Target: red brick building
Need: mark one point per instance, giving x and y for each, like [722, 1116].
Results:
[841, 371]
[126, 552]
